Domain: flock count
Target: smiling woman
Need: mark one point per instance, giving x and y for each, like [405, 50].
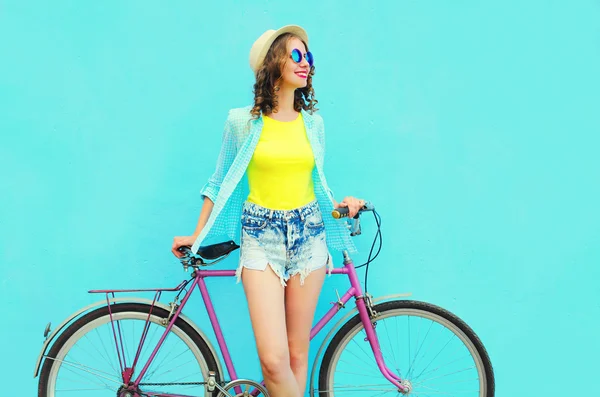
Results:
[278, 73]
[278, 143]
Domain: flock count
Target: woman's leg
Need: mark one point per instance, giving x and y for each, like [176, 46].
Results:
[300, 304]
[265, 296]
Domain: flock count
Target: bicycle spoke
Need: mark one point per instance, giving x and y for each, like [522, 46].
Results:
[397, 367]
[443, 376]
[369, 356]
[80, 350]
[436, 356]
[418, 359]
[412, 360]
[411, 367]
[460, 381]
[105, 355]
[162, 363]
[86, 379]
[77, 389]
[110, 341]
[354, 373]
[375, 387]
[383, 393]
[173, 369]
[455, 392]
[125, 344]
[152, 337]
[185, 377]
[435, 391]
[85, 369]
[445, 365]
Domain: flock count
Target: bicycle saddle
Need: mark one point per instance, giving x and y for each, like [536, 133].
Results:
[215, 251]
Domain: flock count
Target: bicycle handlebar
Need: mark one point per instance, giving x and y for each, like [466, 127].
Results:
[185, 249]
[188, 259]
[342, 212]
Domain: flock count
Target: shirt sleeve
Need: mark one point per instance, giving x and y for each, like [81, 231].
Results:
[226, 157]
[321, 130]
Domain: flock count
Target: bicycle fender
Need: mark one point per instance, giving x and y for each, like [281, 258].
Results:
[335, 328]
[103, 302]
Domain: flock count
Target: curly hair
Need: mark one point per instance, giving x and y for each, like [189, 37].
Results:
[268, 77]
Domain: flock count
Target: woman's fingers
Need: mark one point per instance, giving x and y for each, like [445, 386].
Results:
[354, 205]
[350, 210]
[177, 242]
[355, 209]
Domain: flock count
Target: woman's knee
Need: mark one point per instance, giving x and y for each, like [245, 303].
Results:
[275, 365]
[298, 358]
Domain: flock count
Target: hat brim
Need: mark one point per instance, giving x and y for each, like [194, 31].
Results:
[294, 29]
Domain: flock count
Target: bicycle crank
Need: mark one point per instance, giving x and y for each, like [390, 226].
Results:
[245, 387]
[127, 392]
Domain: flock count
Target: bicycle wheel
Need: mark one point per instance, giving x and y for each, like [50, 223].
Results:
[435, 351]
[84, 357]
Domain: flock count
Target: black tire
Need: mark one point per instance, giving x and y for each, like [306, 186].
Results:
[184, 326]
[326, 363]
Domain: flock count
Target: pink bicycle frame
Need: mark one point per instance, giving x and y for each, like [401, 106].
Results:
[200, 274]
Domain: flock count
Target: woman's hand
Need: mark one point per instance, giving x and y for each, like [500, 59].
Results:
[182, 241]
[353, 204]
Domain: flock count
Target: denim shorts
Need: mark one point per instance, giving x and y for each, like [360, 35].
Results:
[290, 241]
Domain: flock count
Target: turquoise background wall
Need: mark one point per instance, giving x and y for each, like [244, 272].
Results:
[472, 126]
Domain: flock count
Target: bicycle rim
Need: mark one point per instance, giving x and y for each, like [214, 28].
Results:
[435, 351]
[87, 361]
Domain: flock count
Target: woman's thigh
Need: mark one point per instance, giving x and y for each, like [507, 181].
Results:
[300, 305]
[265, 296]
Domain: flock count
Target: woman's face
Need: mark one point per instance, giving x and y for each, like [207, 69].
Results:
[294, 74]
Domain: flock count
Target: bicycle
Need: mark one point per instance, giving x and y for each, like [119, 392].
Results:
[170, 356]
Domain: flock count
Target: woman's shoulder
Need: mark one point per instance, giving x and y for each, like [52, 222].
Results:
[313, 116]
[238, 120]
[239, 115]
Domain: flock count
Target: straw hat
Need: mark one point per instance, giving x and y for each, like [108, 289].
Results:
[261, 46]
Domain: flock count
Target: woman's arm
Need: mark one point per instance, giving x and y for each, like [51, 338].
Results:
[187, 241]
[207, 207]
[226, 157]
[210, 190]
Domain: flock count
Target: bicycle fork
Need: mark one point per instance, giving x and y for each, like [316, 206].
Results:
[367, 317]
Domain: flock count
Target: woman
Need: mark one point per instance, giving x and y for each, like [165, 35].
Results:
[270, 175]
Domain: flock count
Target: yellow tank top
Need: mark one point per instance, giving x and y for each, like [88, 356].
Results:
[280, 170]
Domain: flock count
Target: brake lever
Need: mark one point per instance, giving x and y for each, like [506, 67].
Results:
[353, 225]
[355, 229]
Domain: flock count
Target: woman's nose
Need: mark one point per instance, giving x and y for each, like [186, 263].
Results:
[304, 62]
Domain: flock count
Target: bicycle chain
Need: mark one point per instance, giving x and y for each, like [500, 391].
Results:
[171, 384]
